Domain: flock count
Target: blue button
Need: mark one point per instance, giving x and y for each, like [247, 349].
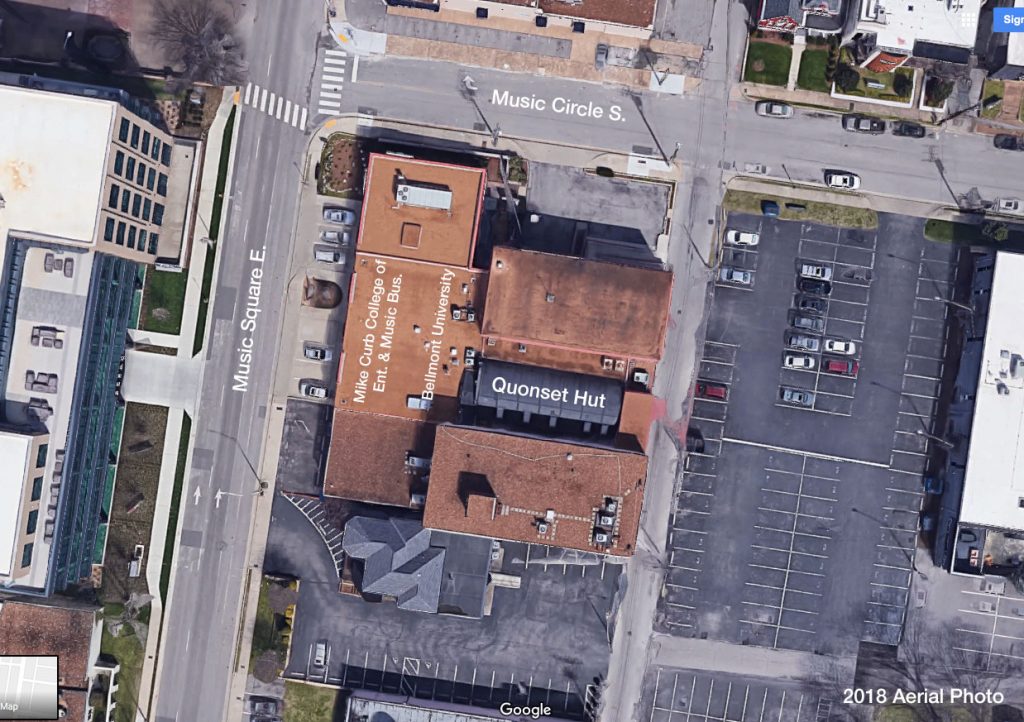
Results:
[1008, 20]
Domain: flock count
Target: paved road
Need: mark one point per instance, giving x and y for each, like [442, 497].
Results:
[202, 627]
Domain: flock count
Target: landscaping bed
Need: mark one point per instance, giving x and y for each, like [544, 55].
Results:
[306, 703]
[342, 164]
[128, 647]
[994, 89]
[767, 63]
[163, 301]
[814, 212]
[983, 234]
[272, 628]
[889, 85]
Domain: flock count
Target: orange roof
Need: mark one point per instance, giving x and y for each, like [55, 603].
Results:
[368, 454]
[435, 221]
[501, 485]
[400, 336]
[577, 303]
[31, 629]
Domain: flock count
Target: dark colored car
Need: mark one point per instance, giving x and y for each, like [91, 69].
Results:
[1005, 141]
[906, 129]
[811, 304]
[711, 390]
[770, 209]
[934, 485]
[694, 441]
[814, 286]
[840, 366]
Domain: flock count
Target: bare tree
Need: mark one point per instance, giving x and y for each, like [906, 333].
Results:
[199, 39]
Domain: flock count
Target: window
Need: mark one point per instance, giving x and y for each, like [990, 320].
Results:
[131, 169]
[37, 488]
[135, 136]
[145, 143]
[158, 214]
[141, 177]
[142, 240]
[131, 236]
[41, 455]
[150, 179]
[123, 133]
[108, 230]
[155, 155]
[136, 205]
[115, 191]
[153, 240]
[146, 206]
[161, 185]
[126, 198]
[165, 156]
[120, 233]
[118, 162]
[33, 519]
[26, 556]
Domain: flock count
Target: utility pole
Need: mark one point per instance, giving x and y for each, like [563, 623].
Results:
[468, 90]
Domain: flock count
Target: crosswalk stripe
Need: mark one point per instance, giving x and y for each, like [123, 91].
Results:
[255, 96]
[324, 94]
[263, 101]
[287, 109]
[280, 105]
[332, 76]
[331, 63]
[337, 52]
[248, 93]
[330, 103]
[355, 68]
[273, 99]
[302, 124]
[295, 115]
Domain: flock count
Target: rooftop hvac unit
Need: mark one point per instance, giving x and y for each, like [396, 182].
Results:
[424, 196]
[601, 538]
[641, 377]
[470, 315]
[418, 500]
[417, 462]
[542, 527]
[549, 516]
[607, 363]
[606, 520]
[620, 365]
[610, 505]
[456, 313]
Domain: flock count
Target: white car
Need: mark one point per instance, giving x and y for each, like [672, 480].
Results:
[1008, 205]
[772, 109]
[313, 390]
[798, 361]
[728, 274]
[846, 181]
[836, 345]
[815, 270]
[742, 238]
[339, 215]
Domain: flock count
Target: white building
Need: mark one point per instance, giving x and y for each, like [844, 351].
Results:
[940, 29]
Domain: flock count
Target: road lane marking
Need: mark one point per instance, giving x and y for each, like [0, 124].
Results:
[355, 68]
[295, 115]
[325, 94]
[287, 110]
[263, 101]
[273, 98]
[337, 52]
[248, 93]
[280, 104]
[302, 123]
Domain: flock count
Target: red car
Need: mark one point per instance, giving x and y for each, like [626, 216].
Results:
[841, 366]
[711, 390]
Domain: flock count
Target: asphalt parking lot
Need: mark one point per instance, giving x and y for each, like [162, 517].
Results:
[511, 655]
[796, 527]
[679, 696]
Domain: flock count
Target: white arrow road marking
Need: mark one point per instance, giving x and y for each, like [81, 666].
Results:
[197, 494]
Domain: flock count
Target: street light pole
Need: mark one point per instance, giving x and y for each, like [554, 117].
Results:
[936, 439]
[470, 88]
[964, 306]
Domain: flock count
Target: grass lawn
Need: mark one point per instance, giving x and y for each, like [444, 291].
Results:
[163, 301]
[767, 63]
[886, 79]
[826, 213]
[306, 703]
[172, 515]
[949, 232]
[812, 71]
[128, 650]
[993, 89]
[265, 636]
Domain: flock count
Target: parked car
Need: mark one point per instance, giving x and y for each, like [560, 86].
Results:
[797, 397]
[934, 485]
[906, 129]
[863, 124]
[772, 109]
[694, 441]
[313, 390]
[812, 304]
[343, 238]
[814, 286]
[770, 209]
[1004, 141]
[339, 215]
[601, 56]
[742, 238]
[1008, 205]
[840, 366]
[315, 352]
[849, 181]
[816, 271]
[798, 361]
[320, 653]
[260, 705]
[840, 346]
[806, 322]
[728, 274]
[711, 390]
[802, 341]
[329, 255]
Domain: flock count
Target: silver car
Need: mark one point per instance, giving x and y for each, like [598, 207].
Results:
[773, 109]
[728, 274]
[806, 322]
[339, 215]
[803, 342]
[797, 397]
